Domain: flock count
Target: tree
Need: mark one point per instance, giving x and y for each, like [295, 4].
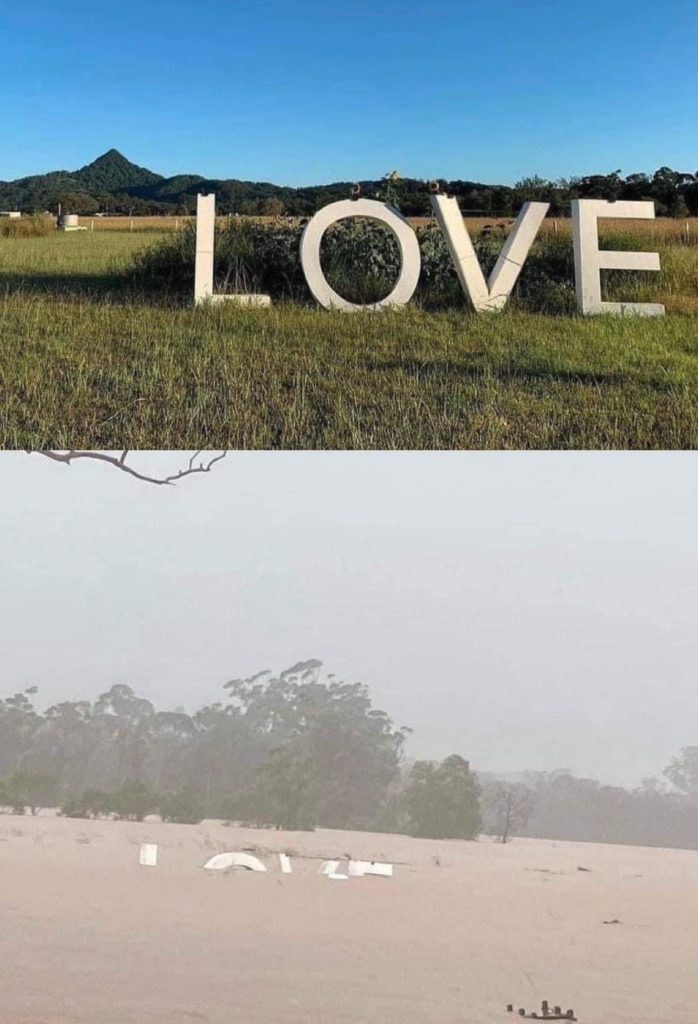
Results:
[29, 789]
[602, 186]
[125, 722]
[533, 190]
[184, 807]
[81, 203]
[442, 800]
[668, 189]
[204, 465]
[678, 207]
[683, 771]
[271, 207]
[133, 800]
[19, 725]
[332, 758]
[508, 807]
[91, 804]
[287, 794]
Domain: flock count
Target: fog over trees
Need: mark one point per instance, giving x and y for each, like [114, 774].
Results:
[304, 749]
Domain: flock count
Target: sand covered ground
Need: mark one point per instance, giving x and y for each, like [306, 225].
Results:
[462, 929]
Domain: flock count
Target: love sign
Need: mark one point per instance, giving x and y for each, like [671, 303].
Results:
[484, 295]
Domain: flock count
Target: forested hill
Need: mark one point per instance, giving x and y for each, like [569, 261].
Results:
[112, 184]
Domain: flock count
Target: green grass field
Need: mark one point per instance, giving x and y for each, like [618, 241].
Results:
[87, 361]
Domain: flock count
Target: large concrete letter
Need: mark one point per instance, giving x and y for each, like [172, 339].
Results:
[589, 260]
[203, 263]
[205, 232]
[407, 240]
[492, 294]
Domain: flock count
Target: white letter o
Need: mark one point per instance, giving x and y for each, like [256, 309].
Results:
[407, 240]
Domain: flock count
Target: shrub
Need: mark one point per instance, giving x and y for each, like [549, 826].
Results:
[26, 789]
[133, 800]
[184, 808]
[361, 261]
[546, 284]
[91, 804]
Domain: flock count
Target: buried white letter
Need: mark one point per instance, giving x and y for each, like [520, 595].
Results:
[407, 240]
[589, 260]
[492, 294]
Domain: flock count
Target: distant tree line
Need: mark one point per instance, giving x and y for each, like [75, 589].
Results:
[656, 813]
[300, 751]
[293, 751]
[113, 185]
[559, 805]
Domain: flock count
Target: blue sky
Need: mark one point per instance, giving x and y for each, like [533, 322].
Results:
[305, 91]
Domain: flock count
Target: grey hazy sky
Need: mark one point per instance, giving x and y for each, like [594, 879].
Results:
[525, 610]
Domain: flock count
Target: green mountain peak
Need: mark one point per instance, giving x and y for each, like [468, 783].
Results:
[112, 172]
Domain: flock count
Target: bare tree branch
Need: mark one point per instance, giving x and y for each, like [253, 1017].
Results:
[204, 465]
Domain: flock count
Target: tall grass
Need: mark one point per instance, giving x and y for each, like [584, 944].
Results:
[82, 373]
[666, 230]
[91, 355]
[36, 226]
[69, 263]
[361, 261]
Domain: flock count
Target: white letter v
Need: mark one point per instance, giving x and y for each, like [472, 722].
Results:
[494, 293]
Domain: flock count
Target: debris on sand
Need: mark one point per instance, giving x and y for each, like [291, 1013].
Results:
[545, 1013]
[583, 869]
[614, 921]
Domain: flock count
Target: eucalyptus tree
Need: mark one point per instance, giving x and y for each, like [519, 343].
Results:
[331, 756]
[443, 800]
[683, 771]
[19, 723]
